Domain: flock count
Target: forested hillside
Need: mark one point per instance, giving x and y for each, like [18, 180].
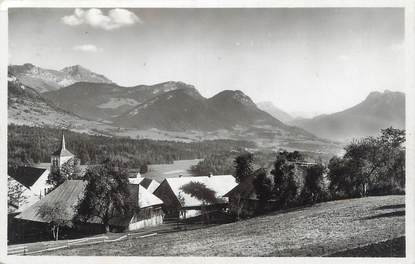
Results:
[29, 145]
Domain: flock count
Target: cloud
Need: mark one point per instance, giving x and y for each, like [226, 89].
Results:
[94, 17]
[87, 48]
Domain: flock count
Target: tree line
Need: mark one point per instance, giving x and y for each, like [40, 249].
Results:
[370, 166]
[29, 145]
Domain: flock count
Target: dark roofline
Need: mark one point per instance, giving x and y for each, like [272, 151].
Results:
[27, 175]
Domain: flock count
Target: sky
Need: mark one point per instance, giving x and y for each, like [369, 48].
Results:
[307, 61]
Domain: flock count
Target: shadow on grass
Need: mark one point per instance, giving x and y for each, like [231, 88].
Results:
[394, 206]
[391, 248]
[393, 214]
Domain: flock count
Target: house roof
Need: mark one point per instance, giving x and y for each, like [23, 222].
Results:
[246, 189]
[150, 184]
[27, 176]
[145, 182]
[144, 197]
[221, 184]
[153, 186]
[68, 193]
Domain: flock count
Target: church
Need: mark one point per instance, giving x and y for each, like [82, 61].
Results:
[148, 208]
[33, 180]
[61, 156]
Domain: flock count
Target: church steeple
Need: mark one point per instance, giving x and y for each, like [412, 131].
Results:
[63, 142]
[60, 156]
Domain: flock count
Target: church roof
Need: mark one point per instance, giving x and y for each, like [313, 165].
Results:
[62, 151]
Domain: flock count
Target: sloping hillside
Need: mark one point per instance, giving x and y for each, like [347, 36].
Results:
[321, 230]
[276, 112]
[27, 107]
[377, 111]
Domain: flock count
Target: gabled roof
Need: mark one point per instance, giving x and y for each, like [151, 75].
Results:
[150, 184]
[153, 186]
[246, 189]
[68, 193]
[221, 184]
[141, 198]
[27, 176]
[144, 198]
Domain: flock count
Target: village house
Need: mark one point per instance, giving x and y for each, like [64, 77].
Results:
[147, 210]
[33, 183]
[147, 213]
[150, 184]
[180, 205]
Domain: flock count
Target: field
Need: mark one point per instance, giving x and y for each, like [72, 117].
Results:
[159, 172]
[372, 226]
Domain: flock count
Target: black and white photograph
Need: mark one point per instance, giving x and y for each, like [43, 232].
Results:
[206, 132]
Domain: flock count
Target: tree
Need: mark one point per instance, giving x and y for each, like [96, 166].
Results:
[68, 171]
[15, 195]
[371, 165]
[263, 188]
[314, 186]
[201, 192]
[243, 166]
[57, 215]
[285, 187]
[143, 168]
[106, 194]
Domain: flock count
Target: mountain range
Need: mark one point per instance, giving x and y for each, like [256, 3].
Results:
[27, 107]
[79, 98]
[377, 111]
[43, 80]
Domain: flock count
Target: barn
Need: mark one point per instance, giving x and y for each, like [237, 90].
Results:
[150, 184]
[148, 211]
[178, 204]
[33, 182]
[30, 226]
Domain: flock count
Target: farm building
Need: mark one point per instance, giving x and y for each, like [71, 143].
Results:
[148, 211]
[33, 182]
[243, 197]
[150, 184]
[29, 225]
[178, 204]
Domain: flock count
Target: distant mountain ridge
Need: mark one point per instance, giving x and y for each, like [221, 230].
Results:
[183, 109]
[377, 111]
[170, 110]
[276, 112]
[27, 107]
[43, 80]
[104, 101]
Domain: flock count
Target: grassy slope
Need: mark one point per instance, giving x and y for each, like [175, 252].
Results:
[320, 230]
